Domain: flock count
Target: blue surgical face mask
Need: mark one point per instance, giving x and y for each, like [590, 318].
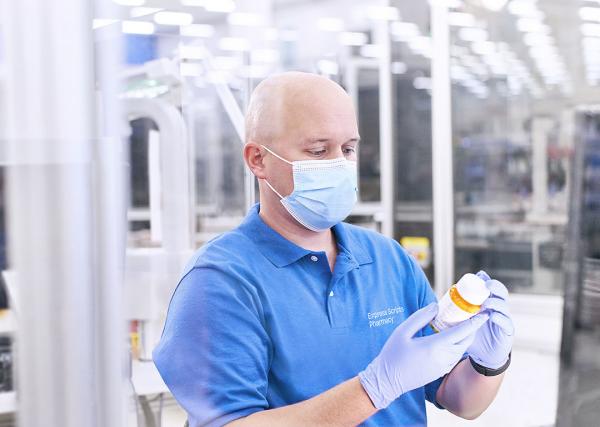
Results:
[324, 191]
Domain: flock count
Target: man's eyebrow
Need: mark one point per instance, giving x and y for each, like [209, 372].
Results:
[312, 141]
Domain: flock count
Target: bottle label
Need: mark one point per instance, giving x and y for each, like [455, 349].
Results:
[449, 314]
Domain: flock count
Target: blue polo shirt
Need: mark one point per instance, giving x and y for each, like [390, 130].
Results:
[258, 322]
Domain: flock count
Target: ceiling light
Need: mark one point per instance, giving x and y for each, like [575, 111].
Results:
[404, 31]
[454, 4]
[461, 19]
[422, 83]
[173, 18]
[197, 30]
[371, 50]
[384, 13]
[494, 5]
[244, 19]
[129, 2]
[137, 27]
[531, 25]
[223, 6]
[397, 67]
[525, 8]
[193, 2]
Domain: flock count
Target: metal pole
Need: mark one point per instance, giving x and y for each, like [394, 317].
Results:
[49, 145]
[177, 226]
[541, 126]
[442, 156]
[110, 208]
[386, 128]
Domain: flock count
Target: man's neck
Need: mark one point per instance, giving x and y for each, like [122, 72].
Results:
[283, 223]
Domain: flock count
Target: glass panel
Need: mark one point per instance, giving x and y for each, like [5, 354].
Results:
[515, 73]
[411, 70]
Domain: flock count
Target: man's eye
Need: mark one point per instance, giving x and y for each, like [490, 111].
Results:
[317, 153]
[349, 150]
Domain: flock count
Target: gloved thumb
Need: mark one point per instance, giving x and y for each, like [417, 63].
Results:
[461, 331]
[419, 319]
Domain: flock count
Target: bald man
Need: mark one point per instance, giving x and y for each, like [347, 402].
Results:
[296, 318]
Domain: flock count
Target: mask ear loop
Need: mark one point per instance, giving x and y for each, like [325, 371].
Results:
[277, 155]
[280, 158]
[271, 187]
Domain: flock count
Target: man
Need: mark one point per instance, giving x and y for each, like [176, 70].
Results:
[295, 318]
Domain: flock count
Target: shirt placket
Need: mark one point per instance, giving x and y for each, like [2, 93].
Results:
[336, 292]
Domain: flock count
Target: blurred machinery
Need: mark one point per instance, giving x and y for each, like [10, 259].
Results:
[580, 377]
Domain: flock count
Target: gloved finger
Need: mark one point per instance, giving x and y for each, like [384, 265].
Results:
[497, 289]
[483, 275]
[418, 320]
[465, 342]
[462, 330]
[504, 322]
[496, 304]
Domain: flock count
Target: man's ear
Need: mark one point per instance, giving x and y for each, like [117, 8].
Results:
[254, 157]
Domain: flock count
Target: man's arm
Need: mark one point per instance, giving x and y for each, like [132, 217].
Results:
[396, 370]
[343, 405]
[466, 393]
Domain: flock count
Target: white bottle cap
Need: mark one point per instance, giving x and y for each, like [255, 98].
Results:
[472, 289]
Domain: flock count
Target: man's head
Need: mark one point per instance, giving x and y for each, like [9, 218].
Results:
[299, 116]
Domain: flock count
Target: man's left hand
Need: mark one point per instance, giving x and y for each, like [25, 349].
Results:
[493, 341]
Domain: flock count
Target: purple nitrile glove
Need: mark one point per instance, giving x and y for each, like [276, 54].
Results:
[407, 362]
[493, 341]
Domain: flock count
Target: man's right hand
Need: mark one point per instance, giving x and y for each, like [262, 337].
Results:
[407, 362]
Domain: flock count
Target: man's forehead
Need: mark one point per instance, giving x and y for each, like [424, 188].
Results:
[328, 140]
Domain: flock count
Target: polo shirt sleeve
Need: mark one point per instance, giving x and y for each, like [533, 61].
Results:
[214, 353]
[426, 296]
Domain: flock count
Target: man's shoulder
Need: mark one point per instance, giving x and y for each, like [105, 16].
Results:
[378, 246]
[229, 248]
[370, 238]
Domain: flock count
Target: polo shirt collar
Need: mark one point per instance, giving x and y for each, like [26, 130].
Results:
[349, 245]
[276, 248]
[281, 252]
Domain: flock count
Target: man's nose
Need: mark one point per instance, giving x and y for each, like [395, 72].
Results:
[337, 152]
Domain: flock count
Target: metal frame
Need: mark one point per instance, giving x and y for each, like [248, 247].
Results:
[442, 155]
[51, 202]
[176, 195]
[386, 127]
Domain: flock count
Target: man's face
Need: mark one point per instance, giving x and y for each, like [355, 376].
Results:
[325, 129]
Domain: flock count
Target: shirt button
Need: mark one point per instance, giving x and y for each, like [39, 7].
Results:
[331, 293]
[314, 258]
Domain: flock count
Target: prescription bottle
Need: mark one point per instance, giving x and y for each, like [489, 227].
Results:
[462, 301]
